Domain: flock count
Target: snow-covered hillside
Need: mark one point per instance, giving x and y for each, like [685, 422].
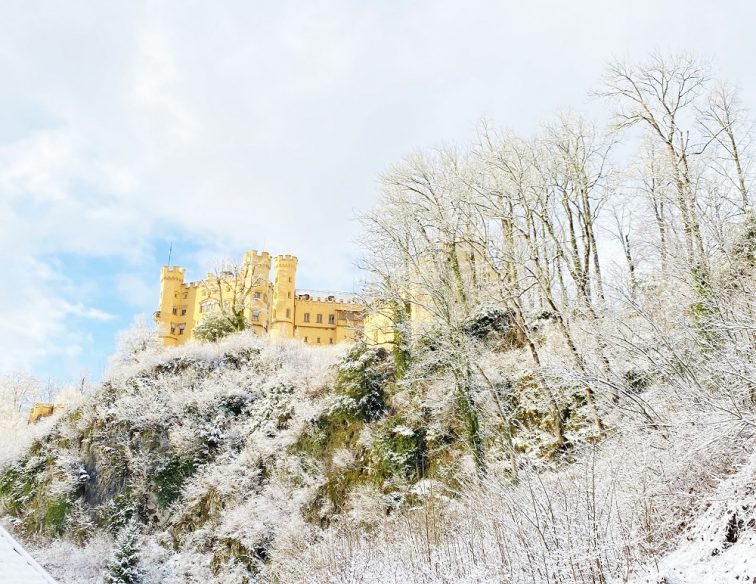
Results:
[244, 461]
[190, 445]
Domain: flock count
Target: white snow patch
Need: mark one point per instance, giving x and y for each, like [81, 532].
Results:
[17, 566]
[720, 545]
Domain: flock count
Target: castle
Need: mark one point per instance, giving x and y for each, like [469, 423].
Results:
[274, 308]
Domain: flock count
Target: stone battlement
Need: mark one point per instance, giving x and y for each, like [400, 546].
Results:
[326, 297]
[172, 272]
[253, 253]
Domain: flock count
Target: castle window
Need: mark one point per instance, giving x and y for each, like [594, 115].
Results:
[288, 313]
[181, 328]
[183, 311]
[173, 329]
[208, 306]
[305, 339]
[330, 341]
[255, 315]
[289, 294]
[319, 319]
[289, 279]
[174, 310]
[306, 317]
[318, 340]
[256, 296]
[331, 319]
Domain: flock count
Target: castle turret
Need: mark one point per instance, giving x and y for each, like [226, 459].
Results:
[257, 269]
[282, 319]
[171, 284]
[257, 273]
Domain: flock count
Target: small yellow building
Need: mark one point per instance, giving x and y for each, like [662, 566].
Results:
[42, 410]
[270, 307]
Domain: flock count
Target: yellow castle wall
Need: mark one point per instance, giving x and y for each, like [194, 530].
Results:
[271, 308]
[339, 320]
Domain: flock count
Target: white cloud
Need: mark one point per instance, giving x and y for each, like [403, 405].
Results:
[251, 124]
[135, 291]
[88, 312]
[32, 313]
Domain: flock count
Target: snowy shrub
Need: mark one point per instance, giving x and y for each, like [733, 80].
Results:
[361, 382]
[216, 326]
[123, 567]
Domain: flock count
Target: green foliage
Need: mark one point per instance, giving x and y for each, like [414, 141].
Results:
[121, 510]
[18, 484]
[169, 479]
[55, 516]
[400, 349]
[219, 325]
[361, 383]
[471, 422]
[705, 308]
[24, 495]
[744, 250]
[401, 451]
[123, 567]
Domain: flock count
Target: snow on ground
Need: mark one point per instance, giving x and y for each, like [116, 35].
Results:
[17, 566]
[68, 562]
[719, 547]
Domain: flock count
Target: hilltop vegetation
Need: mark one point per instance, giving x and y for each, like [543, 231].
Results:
[568, 394]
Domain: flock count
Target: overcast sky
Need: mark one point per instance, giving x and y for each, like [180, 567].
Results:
[224, 126]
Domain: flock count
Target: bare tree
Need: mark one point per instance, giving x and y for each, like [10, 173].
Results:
[661, 95]
[723, 121]
[229, 289]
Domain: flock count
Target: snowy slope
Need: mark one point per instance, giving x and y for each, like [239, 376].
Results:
[18, 567]
[720, 545]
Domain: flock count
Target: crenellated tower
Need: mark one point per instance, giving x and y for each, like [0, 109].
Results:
[171, 287]
[282, 317]
[257, 281]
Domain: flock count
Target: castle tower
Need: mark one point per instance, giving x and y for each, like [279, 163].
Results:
[171, 284]
[257, 274]
[282, 318]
